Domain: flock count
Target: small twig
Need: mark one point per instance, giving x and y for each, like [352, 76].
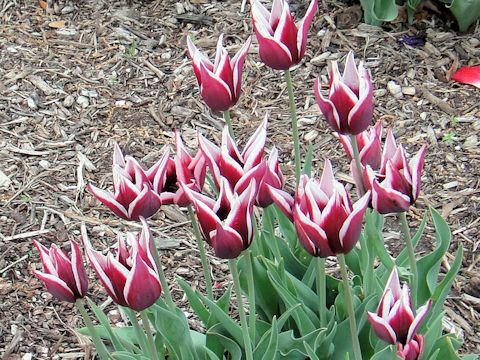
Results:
[13, 264]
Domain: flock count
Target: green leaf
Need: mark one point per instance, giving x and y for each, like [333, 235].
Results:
[402, 258]
[307, 167]
[195, 300]
[125, 355]
[386, 354]
[429, 265]
[445, 348]
[310, 352]
[231, 346]
[411, 9]
[118, 345]
[268, 344]
[292, 348]
[466, 12]
[227, 322]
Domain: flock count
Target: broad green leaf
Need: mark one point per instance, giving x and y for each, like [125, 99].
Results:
[386, 354]
[194, 298]
[444, 348]
[125, 334]
[466, 12]
[310, 352]
[292, 348]
[231, 346]
[268, 344]
[125, 355]
[411, 9]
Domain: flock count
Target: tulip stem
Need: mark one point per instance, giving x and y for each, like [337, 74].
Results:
[203, 255]
[228, 120]
[247, 254]
[411, 256]
[161, 275]
[232, 264]
[268, 226]
[321, 291]
[293, 114]
[97, 341]
[150, 340]
[358, 164]
[141, 338]
[349, 304]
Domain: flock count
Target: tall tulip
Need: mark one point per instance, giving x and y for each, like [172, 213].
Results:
[64, 277]
[130, 277]
[281, 42]
[220, 82]
[394, 321]
[226, 223]
[348, 109]
[135, 190]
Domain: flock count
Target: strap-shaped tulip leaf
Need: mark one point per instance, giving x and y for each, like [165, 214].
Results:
[466, 12]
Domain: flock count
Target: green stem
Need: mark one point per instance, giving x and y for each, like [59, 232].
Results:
[349, 304]
[151, 342]
[321, 291]
[97, 341]
[228, 120]
[268, 227]
[141, 337]
[358, 164]
[411, 256]
[203, 255]
[247, 254]
[293, 114]
[161, 276]
[232, 264]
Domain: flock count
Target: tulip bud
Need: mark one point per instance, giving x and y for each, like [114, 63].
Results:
[130, 277]
[326, 222]
[281, 42]
[396, 186]
[348, 109]
[65, 278]
[220, 83]
[226, 224]
[135, 191]
[394, 321]
[412, 350]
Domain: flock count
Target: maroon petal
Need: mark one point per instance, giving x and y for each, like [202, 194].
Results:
[352, 227]
[286, 33]
[226, 242]
[79, 273]
[386, 200]
[253, 151]
[64, 267]
[400, 319]
[215, 91]
[48, 266]
[108, 200]
[344, 100]
[240, 216]
[420, 316]
[212, 154]
[283, 200]
[303, 28]
[142, 287]
[57, 287]
[333, 217]
[361, 114]
[237, 66]
[327, 108]
[416, 166]
[272, 52]
[146, 204]
[382, 328]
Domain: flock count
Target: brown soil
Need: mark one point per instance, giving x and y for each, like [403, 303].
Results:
[130, 79]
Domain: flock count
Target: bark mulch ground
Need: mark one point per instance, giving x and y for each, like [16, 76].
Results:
[92, 72]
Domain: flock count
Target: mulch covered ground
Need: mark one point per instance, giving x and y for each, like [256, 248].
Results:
[91, 72]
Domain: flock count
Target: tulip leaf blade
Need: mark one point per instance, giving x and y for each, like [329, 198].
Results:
[310, 352]
[268, 344]
[402, 258]
[293, 348]
[429, 265]
[465, 12]
[194, 298]
[385, 354]
[229, 345]
[125, 355]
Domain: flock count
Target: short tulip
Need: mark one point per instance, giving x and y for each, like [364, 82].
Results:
[348, 109]
[394, 321]
[396, 185]
[220, 82]
[281, 42]
[228, 162]
[226, 224]
[412, 350]
[272, 178]
[64, 277]
[130, 277]
[135, 191]
[325, 220]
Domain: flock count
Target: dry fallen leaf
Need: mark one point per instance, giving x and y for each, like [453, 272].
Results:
[57, 24]
[43, 4]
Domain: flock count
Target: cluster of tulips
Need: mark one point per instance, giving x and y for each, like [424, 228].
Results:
[320, 216]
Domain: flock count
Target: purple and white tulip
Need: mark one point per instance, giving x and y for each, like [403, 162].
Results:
[348, 109]
[281, 42]
[130, 277]
[413, 350]
[220, 82]
[394, 321]
[64, 277]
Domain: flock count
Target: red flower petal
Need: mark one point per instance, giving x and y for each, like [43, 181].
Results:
[468, 75]
[57, 287]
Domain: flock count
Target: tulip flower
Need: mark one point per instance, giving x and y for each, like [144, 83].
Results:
[136, 192]
[272, 178]
[348, 109]
[281, 42]
[220, 82]
[226, 223]
[130, 277]
[64, 277]
[228, 162]
[369, 146]
[413, 350]
[396, 185]
[325, 220]
[394, 321]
